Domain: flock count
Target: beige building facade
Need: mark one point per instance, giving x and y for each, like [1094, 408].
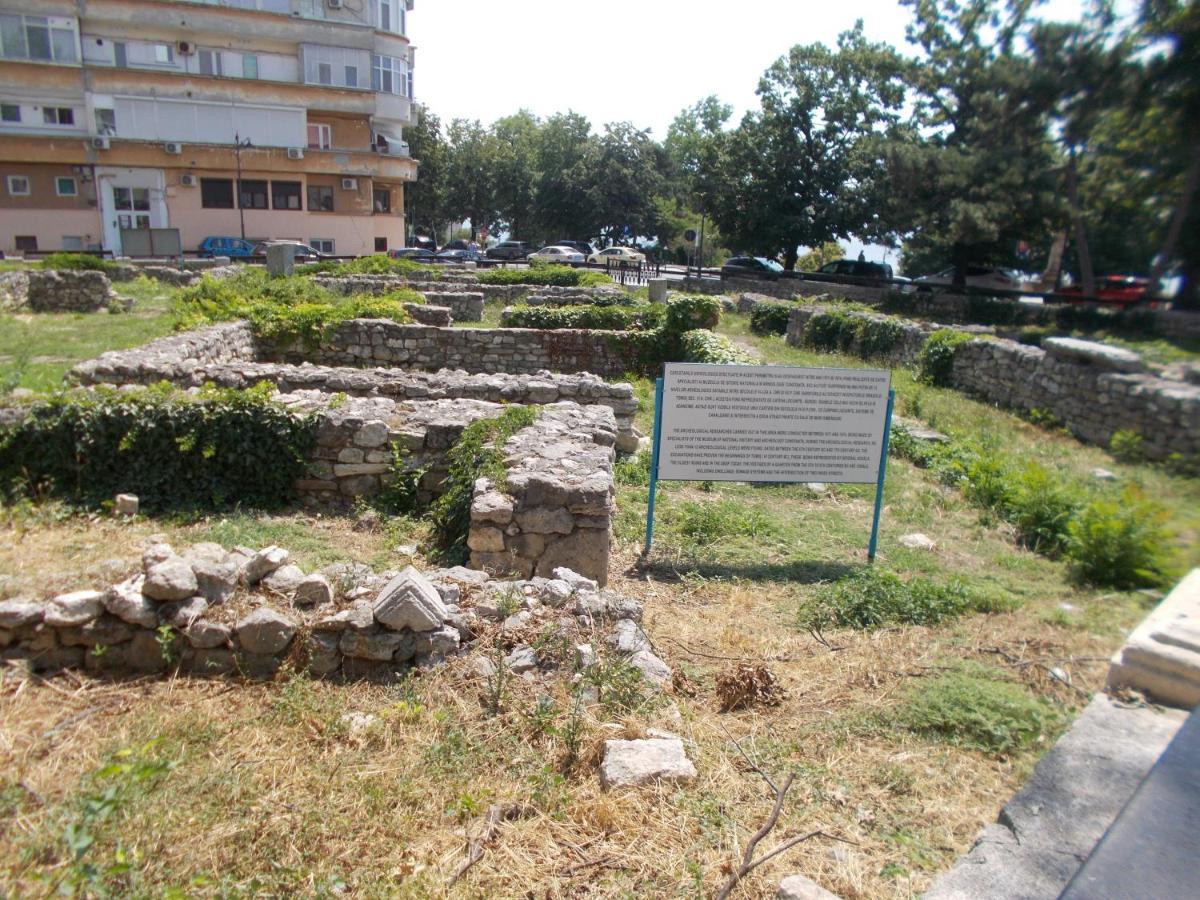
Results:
[218, 118]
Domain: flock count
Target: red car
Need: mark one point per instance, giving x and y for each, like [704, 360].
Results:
[1118, 290]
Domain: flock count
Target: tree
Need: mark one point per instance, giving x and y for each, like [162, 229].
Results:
[516, 175]
[803, 170]
[425, 199]
[566, 159]
[471, 174]
[623, 182]
[974, 172]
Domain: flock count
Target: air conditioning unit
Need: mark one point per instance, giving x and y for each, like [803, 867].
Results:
[335, 4]
[174, 148]
[349, 184]
[185, 47]
[295, 153]
[187, 179]
[401, 148]
[100, 143]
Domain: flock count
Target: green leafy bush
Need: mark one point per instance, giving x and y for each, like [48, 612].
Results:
[611, 318]
[691, 311]
[1120, 542]
[78, 261]
[935, 364]
[478, 453]
[704, 346]
[547, 276]
[878, 337]
[973, 707]
[220, 449]
[832, 330]
[1126, 445]
[377, 264]
[874, 597]
[633, 470]
[770, 318]
[706, 523]
[1041, 506]
[283, 310]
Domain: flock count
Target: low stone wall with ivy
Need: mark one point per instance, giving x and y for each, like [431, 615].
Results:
[171, 358]
[552, 506]
[1094, 390]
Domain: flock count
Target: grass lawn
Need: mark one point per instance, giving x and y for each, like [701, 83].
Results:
[37, 349]
[905, 738]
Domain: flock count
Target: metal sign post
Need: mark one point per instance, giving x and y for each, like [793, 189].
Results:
[887, 434]
[658, 395]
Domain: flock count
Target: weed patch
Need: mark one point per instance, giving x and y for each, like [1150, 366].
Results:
[874, 597]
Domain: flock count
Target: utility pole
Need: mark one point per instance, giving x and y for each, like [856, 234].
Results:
[238, 144]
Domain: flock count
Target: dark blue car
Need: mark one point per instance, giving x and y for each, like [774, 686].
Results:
[226, 246]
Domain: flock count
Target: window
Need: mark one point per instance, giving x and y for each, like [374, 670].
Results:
[324, 73]
[210, 62]
[65, 186]
[320, 198]
[120, 55]
[322, 245]
[164, 54]
[410, 93]
[18, 185]
[137, 199]
[106, 121]
[285, 194]
[48, 39]
[383, 200]
[249, 65]
[387, 74]
[72, 244]
[25, 243]
[351, 76]
[320, 137]
[253, 194]
[216, 193]
[10, 112]
[334, 66]
[58, 115]
[381, 245]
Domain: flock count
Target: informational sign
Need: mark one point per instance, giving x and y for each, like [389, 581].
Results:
[772, 423]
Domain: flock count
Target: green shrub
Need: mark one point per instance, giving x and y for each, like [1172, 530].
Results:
[283, 310]
[878, 337]
[688, 312]
[874, 597]
[220, 449]
[832, 330]
[547, 276]
[972, 707]
[478, 453]
[1040, 506]
[1120, 543]
[702, 346]
[1126, 446]
[634, 470]
[706, 523]
[935, 363]
[78, 261]
[377, 264]
[770, 318]
[611, 318]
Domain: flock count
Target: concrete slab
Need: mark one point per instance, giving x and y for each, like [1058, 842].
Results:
[1048, 829]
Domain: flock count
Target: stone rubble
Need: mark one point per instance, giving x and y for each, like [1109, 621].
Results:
[634, 763]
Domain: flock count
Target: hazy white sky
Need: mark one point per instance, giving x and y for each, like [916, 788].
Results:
[622, 60]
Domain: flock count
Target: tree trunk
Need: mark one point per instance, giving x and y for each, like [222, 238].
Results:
[789, 258]
[1052, 275]
[1087, 277]
[1182, 209]
[958, 257]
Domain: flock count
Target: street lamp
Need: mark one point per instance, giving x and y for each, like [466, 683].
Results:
[238, 144]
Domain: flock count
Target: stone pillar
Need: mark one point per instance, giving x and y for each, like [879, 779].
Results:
[658, 290]
[281, 259]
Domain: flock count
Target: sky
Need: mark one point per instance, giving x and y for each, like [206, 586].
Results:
[625, 60]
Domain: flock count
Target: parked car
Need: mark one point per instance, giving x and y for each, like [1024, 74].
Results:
[508, 250]
[568, 256]
[618, 255]
[302, 253]
[752, 267]
[420, 254]
[993, 277]
[424, 242]
[582, 246]
[232, 247]
[457, 255]
[1117, 290]
[458, 245]
[854, 268]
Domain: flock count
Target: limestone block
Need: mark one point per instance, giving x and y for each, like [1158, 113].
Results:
[797, 887]
[486, 540]
[492, 506]
[265, 631]
[377, 645]
[263, 563]
[545, 521]
[632, 763]
[18, 613]
[215, 581]
[170, 579]
[75, 608]
[182, 613]
[585, 551]
[314, 590]
[205, 635]
[410, 601]
[126, 505]
[283, 580]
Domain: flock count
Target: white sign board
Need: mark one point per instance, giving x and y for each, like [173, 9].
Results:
[772, 423]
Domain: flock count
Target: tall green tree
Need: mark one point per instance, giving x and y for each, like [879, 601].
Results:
[566, 158]
[516, 172]
[471, 174]
[975, 173]
[425, 199]
[804, 169]
[623, 183]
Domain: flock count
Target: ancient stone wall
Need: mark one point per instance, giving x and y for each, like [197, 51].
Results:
[68, 290]
[1095, 390]
[464, 306]
[14, 289]
[904, 352]
[173, 275]
[364, 342]
[785, 289]
[555, 507]
[170, 358]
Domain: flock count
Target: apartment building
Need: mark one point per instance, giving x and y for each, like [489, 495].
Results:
[262, 118]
